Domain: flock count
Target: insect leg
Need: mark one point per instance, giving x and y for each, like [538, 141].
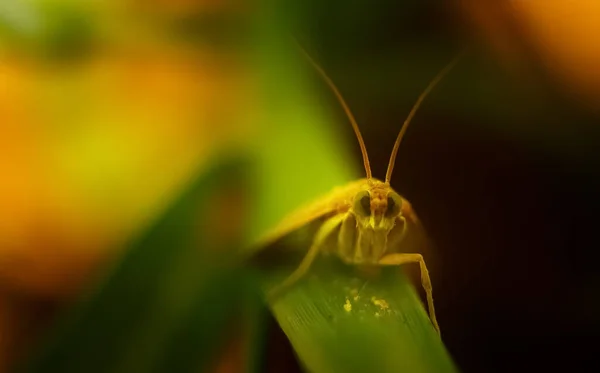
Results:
[399, 259]
[346, 241]
[324, 231]
[398, 233]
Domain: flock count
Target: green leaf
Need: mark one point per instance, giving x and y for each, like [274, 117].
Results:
[338, 321]
[166, 303]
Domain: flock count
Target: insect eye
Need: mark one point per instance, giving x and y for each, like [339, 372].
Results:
[365, 203]
[393, 205]
[362, 203]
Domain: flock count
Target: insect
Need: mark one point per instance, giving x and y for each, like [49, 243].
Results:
[367, 220]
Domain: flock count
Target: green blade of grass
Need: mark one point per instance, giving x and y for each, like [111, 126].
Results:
[165, 304]
[338, 321]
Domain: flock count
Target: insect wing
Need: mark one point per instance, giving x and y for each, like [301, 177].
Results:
[338, 200]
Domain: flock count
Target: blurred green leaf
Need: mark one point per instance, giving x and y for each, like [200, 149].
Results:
[166, 304]
[55, 29]
[302, 155]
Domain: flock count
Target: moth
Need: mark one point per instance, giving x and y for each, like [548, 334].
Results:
[367, 219]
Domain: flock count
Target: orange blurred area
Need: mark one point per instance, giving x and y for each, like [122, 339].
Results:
[93, 149]
[567, 36]
[563, 35]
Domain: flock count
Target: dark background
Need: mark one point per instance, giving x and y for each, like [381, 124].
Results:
[501, 166]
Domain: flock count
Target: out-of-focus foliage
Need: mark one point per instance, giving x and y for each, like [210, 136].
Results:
[92, 147]
[101, 128]
[168, 302]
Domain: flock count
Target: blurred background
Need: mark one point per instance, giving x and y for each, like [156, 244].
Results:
[107, 108]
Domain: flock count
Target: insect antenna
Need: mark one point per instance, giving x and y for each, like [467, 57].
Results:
[337, 93]
[431, 85]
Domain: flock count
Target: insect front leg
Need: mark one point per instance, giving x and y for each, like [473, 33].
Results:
[346, 241]
[321, 236]
[400, 259]
[398, 233]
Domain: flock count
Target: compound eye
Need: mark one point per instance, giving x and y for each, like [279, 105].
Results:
[362, 203]
[365, 203]
[394, 204]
